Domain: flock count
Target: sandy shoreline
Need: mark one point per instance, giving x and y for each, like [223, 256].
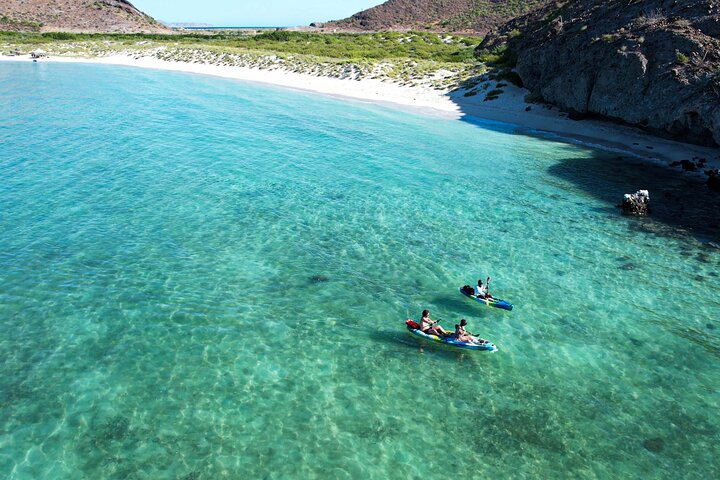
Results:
[509, 108]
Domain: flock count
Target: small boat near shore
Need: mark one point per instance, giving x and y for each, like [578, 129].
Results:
[492, 302]
[414, 328]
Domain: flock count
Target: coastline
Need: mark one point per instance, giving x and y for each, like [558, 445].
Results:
[510, 107]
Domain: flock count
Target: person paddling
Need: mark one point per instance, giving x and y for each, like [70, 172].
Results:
[431, 327]
[483, 291]
[462, 335]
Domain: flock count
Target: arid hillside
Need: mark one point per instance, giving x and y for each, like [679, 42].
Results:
[440, 15]
[86, 16]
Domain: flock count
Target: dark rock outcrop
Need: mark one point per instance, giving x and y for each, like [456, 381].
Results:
[650, 63]
[636, 203]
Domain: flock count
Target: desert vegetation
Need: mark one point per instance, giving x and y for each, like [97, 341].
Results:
[441, 61]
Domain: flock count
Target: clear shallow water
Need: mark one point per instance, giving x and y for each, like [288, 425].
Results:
[206, 279]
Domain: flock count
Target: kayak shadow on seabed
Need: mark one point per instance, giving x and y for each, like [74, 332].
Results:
[460, 307]
[402, 339]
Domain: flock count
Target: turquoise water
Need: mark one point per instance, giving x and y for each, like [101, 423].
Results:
[206, 279]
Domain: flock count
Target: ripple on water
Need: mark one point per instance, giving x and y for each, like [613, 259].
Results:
[191, 289]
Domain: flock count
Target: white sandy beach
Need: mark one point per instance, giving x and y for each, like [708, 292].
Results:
[510, 107]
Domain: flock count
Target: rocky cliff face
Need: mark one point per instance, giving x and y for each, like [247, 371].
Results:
[87, 16]
[650, 63]
[443, 15]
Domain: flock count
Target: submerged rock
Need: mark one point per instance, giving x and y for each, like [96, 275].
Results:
[702, 258]
[655, 445]
[319, 279]
[116, 428]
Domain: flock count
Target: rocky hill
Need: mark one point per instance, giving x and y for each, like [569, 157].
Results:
[441, 15]
[117, 16]
[649, 63]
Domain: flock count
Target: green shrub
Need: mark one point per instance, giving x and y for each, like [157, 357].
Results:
[60, 36]
[681, 58]
[500, 56]
[650, 17]
[493, 94]
[503, 74]
[341, 46]
[274, 36]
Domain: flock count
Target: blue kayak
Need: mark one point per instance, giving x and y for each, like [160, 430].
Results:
[413, 328]
[493, 302]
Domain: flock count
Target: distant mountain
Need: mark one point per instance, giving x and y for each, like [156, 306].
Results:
[438, 15]
[187, 24]
[650, 63]
[117, 16]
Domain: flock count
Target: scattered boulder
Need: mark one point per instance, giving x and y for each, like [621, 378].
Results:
[637, 203]
[576, 115]
[688, 166]
[713, 182]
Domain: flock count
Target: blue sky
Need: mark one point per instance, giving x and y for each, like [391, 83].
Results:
[255, 13]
